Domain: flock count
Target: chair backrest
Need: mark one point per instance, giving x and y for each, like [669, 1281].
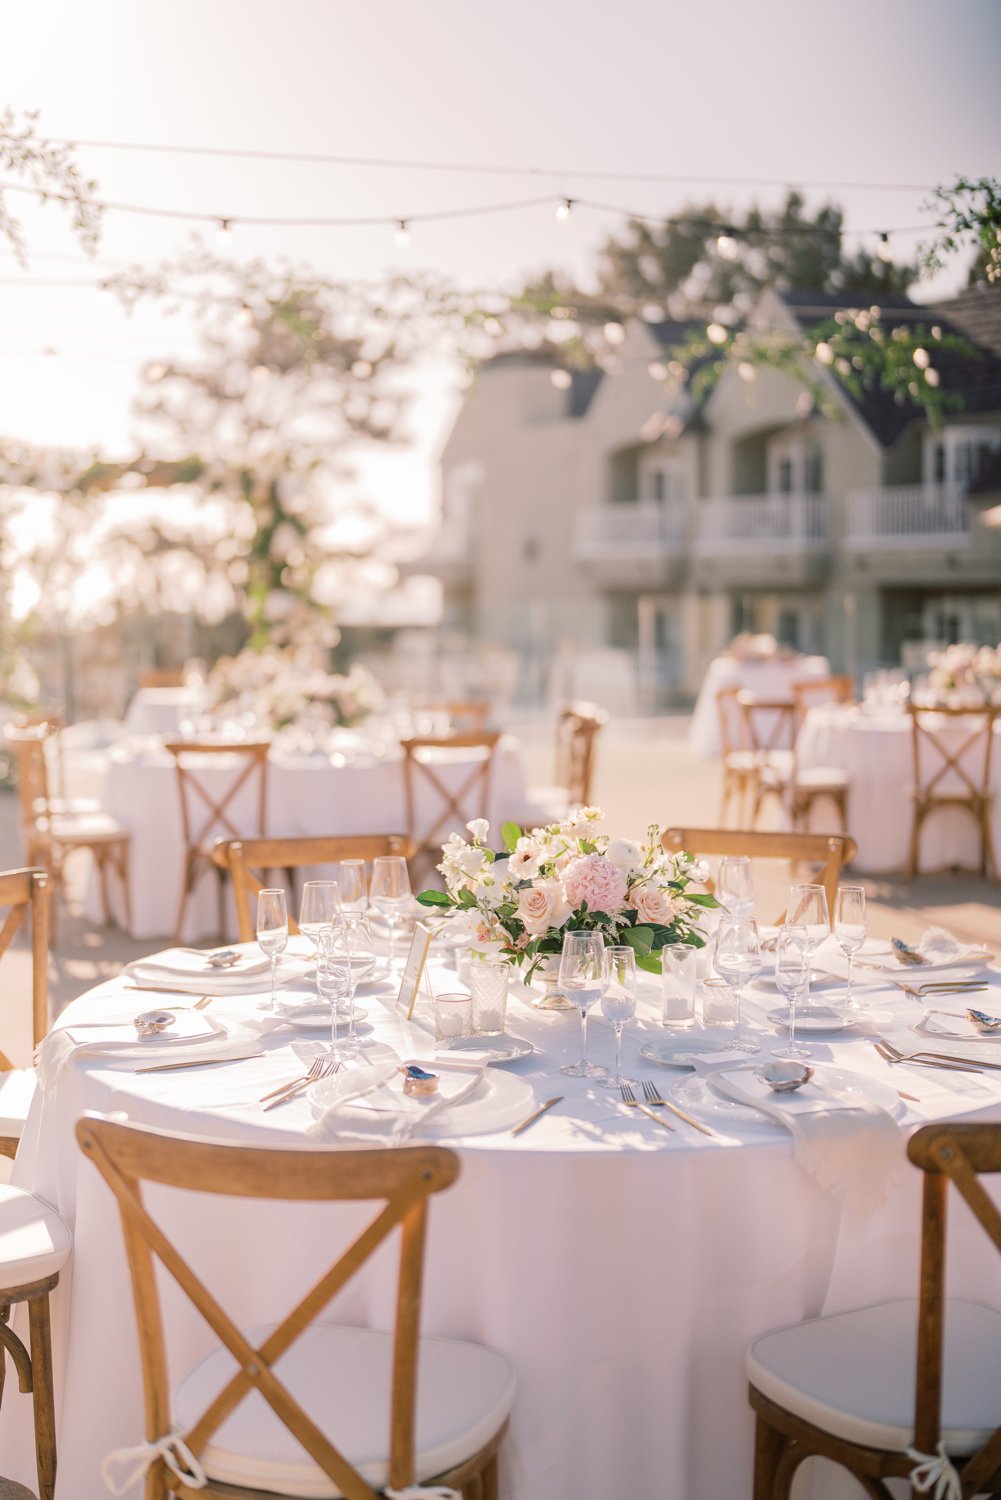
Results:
[453, 795]
[207, 814]
[952, 750]
[161, 677]
[577, 728]
[401, 1180]
[732, 728]
[769, 723]
[27, 746]
[812, 691]
[464, 713]
[249, 862]
[958, 1153]
[22, 891]
[830, 851]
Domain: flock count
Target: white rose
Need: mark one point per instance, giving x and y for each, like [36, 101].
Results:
[479, 828]
[470, 861]
[625, 854]
[542, 906]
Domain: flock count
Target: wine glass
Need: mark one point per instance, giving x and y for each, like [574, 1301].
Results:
[351, 958]
[808, 908]
[582, 980]
[618, 1003]
[792, 975]
[272, 931]
[317, 908]
[352, 886]
[390, 892]
[850, 932]
[331, 981]
[735, 886]
[737, 959]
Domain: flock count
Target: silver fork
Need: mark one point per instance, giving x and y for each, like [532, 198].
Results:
[628, 1097]
[324, 1068]
[892, 1055]
[301, 1081]
[654, 1097]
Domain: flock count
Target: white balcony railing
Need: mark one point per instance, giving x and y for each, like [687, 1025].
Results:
[634, 529]
[907, 516]
[763, 523]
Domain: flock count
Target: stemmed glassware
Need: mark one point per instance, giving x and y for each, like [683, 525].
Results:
[330, 980]
[808, 908]
[352, 887]
[350, 958]
[737, 958]
[735, 886]
[390, 893]
[318, 906]
[272, 931]
[850, 932]
[792, 975]
[583, 972]
[618, 1003]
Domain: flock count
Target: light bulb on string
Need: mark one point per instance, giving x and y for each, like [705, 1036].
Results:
[726, 243]
[884, 249]
[224, 233]
[402, 235]
[564, 210]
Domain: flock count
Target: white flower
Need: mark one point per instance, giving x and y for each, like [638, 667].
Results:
[480, 829]
[625, 854]
[470, 860]
[524, 862]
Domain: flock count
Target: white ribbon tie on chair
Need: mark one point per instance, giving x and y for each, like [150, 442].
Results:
[935, 1474]
[169, 1448]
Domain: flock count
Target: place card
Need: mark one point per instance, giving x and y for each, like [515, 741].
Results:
[414, 977]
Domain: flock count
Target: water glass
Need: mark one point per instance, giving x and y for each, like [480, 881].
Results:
[583, 973]
[272, 931]
[331, 981]
[808, 908]
[738, 959]
[390, 893]
[453, 1017]
[488, 981]
[792, 975]
[618, 1003]
[679, 975]
[317, 908]
[719, 1007]
[850, 932]
[352, 886]
[735, 886]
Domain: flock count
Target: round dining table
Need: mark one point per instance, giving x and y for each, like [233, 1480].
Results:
[623, 1266]
[770, 677]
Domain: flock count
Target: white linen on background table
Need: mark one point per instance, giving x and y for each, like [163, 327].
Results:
[769, 679]
[875, 750]
[162, 710]
[308, 795]
[622, 1268]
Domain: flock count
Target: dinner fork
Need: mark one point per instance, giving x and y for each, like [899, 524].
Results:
[327, 1066]
[891, 1054]
[628, 1097]
[304, 1078]
[654, 1097]
[956, 987]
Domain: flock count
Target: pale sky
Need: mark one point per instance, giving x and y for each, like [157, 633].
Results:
[896, 92]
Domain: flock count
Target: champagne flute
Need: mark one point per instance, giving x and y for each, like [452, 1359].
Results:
[272, 931]
[792, 975]
[582, 980]
[330, 982]
[808, 908]
[737, 959]
[618, 1003]
[390, 893]
[735, 886]
[850, 932]
[317, 908]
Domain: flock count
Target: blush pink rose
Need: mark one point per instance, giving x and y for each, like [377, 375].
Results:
[652, 905]
[594, 879]
[542, 906]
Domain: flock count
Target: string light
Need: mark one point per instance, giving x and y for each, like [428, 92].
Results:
[224, 234]
[726, 243]
[561, 379]
[716, 333]
[884, 249]
[402, 235]
[564, 210]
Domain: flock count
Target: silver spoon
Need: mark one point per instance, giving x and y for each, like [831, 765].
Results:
[784, 1076]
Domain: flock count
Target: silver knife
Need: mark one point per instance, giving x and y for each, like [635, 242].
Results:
[202, 1062]
[537, 1114]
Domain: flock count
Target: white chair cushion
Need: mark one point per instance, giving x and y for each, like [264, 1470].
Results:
[853, 1374]
[815, 777]
[341, 1377]
[17, 1089]
[741, 760]
[34, 1241]
[90, 828]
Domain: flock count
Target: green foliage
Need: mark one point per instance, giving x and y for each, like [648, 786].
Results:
[510, 833]
[970, 219]
[49, 170]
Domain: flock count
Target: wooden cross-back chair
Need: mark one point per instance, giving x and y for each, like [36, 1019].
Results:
[368, 1436]
[740, 762]
[877, 1390]
[578, 726]
[831, 852]
[249, 862]
[954, 772]
[463, 713]
[50, 836]
[811, 692]
[208, 814]
[161, 677]
[23, 892]
[455, 797]
[770, 730]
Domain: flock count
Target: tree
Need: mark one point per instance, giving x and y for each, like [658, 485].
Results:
[49, 172]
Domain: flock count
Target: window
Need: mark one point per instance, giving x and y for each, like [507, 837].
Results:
[795, 468]
[959, 455]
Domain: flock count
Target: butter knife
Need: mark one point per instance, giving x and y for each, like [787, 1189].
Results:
[202, 1062]
[537, 1115]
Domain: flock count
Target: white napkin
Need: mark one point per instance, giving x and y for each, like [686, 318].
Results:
[852, 1148]
[952, 1026]
[939, 946]
[187, 971]
[195, 1037]
[370, 1102]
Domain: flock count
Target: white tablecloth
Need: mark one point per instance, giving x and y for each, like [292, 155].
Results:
[622, 1268]
[307, 795]
[769, 679]
[876, 752]
[162, 710]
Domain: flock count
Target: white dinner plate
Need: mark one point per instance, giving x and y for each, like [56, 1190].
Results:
[697, 1094]
[499, 1101]
[316, 1017]
[681, 1051]
[488, 1049]
[820, 982]
[816, 1018]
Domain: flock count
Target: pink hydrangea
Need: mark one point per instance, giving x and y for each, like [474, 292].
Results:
[594, 879]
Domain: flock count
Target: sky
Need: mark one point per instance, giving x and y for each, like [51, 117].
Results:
[899, 96]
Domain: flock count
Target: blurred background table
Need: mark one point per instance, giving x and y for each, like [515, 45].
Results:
[772, 678]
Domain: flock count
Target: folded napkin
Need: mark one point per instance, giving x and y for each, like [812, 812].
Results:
[939, 946]
[188, 971]
[852, 1147]
[953, 1026]
[194, 1037]
[369, 1103]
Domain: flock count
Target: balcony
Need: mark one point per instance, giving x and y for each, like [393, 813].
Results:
[760, 523]
[635, 542]
[907, 517]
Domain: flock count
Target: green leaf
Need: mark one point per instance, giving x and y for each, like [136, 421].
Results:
[640, 939]
[510, 833]
[702, 899]
[648, 961]
[435, 898]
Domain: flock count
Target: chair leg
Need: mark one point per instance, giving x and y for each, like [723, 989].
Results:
[45, 1415]
[768, 1447]
[912, 859]
[101, 860]
[491, 1479]
[123, 871]
[187, 885]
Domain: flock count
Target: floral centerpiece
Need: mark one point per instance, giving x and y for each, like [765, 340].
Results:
[286, 685]
[570, 876]
[964, 670]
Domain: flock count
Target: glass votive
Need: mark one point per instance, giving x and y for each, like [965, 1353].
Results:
[679, 973]
[488, 982]
[453, 1016]
[719, 1005]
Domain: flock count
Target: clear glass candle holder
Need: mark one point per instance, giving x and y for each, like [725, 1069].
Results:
[453, 1017]
[488, 982]
[679, 975]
